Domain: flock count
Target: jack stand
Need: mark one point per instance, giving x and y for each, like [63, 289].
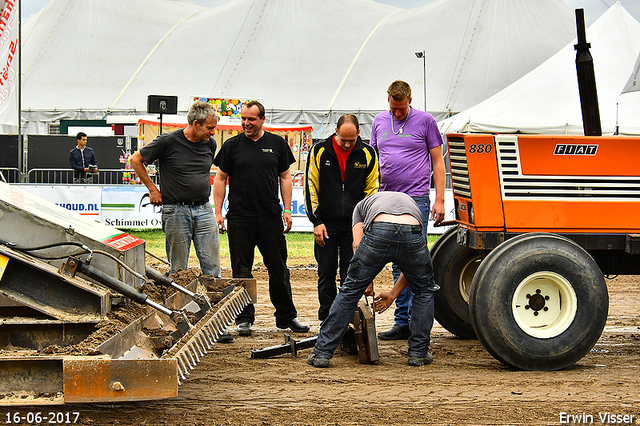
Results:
[291, 346]
[366, 337]
[363, 337]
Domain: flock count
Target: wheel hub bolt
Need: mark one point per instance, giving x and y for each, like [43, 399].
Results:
[537, 302]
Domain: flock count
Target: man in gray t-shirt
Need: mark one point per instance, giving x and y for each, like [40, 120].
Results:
[386, 228]
[185, 157]
[393, 203]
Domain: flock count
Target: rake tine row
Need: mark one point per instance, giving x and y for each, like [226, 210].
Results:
[201, 343]
[192, 347]
[211, 337]
[204, 340]
[198, 345]
[182, 369]
[194, 357]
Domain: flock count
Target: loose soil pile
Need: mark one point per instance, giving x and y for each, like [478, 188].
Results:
[121, 316]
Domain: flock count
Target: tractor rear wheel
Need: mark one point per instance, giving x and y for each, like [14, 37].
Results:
[454, 267]
[539, 302]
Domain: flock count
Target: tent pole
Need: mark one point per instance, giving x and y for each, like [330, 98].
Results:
[20, 142]
[423, 55]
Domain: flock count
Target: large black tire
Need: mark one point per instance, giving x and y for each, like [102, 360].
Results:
[538, 302]
[454, 267]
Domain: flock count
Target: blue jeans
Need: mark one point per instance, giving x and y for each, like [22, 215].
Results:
[383, 243]
[404, 300]
[183, 224]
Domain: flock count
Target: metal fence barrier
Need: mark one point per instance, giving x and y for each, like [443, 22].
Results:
[10, 175]
[50, 176]
[67, 176]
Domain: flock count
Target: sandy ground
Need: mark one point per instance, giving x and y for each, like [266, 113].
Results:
[464, 385]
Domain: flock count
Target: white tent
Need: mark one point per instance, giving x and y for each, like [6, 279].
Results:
[473, 49]
[547, 99]
[310, 61]
[633, 84]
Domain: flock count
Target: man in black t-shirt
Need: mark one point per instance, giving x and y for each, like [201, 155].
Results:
[185, 157]
[252, 162]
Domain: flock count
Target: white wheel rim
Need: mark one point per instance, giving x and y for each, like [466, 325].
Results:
[544, 305]
[466, 277]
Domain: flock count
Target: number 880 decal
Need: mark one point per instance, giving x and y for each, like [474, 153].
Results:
[480, 148]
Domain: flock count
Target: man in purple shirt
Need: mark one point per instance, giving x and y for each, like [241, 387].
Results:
[409, 149]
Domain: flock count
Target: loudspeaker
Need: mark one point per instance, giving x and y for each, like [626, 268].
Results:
[157, 104]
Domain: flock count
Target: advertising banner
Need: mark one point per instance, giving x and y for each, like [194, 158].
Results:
[298, 212]
[8, 65]
[128, 206]
[225, 107]
[78, 198]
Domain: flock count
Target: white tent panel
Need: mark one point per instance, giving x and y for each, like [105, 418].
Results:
[473, 49]
[633, 84]
[80, 55]
[547, 99]
[310, 61]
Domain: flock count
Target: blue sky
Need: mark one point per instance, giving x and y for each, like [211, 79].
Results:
[592, 8]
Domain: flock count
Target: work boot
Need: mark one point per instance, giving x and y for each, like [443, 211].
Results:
[395, 333]
[296, 326]
[419, 361]
[225, 337]
[317, 361]
[244, 329]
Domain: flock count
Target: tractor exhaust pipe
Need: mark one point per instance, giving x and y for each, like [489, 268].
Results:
[586, 81]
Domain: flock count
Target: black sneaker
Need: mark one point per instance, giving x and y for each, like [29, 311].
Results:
[419, 361]
[225, 337]
[244, 329]
[395, 333]
[318, 361]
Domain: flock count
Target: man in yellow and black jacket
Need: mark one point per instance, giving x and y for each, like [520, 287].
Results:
[341, 171]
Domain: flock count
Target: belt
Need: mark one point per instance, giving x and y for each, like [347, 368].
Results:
[415, 229]
[188, 203]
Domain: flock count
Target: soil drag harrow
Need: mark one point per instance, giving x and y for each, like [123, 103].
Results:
[201, 337]
[62, 278]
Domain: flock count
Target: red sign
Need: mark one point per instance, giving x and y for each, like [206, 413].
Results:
[123, 242]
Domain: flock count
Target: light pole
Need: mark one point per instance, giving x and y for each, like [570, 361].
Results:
[423, 55]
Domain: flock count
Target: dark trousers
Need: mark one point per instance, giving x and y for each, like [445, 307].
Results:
[339, 245]
[383, 243]
[265, 232]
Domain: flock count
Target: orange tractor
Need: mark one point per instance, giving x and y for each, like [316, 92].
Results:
[540, 221]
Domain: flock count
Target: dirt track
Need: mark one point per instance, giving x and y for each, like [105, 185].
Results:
[464, 385]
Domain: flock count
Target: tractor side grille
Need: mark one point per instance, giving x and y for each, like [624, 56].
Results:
[515, 185]
[459, 169]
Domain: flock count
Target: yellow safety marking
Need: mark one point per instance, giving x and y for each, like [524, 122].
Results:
[3, 264]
